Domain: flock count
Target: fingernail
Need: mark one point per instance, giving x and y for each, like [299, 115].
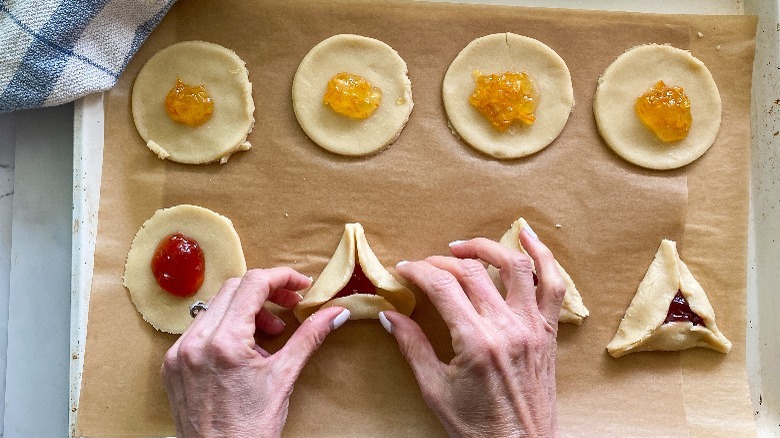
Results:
[385, 322]
[528, 229]
[311, 279]
[456, 243]
[299, 295]
[339, 320]
[401, 263]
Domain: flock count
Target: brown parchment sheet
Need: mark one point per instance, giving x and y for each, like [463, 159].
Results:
[289, 200]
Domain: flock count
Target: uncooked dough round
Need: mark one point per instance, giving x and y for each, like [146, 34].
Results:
[226, 80]
[373, 60]
[221, 250]
[630, 76]
[497, 54]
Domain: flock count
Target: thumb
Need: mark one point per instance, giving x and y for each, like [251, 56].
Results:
[415, 347]
[308, 338]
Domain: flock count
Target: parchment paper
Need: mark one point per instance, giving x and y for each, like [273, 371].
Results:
[289, 200]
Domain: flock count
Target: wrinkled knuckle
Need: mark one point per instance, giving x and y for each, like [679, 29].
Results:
[536, 343]
[257, 276]
[486, 350]
[319, 338]
[412, 350]
[315, 340]
[233, 282]
[190, 354]
[520, 263]
[558, 288]
[520, 341]
[471, 268]
[442, 281]
[221, 350]
[170, 362]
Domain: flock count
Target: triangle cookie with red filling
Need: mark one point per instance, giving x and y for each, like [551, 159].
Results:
[355, 279]
[573, 311]
[670, 311]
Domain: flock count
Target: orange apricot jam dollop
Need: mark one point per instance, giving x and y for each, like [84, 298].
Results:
[187, 104]
[178, 265]
[666, 111]
[505, 98]
[352, 95]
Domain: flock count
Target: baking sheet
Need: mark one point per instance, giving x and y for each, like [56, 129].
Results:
[289, 200]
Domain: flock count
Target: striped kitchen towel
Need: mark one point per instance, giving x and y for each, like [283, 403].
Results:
[55, 51]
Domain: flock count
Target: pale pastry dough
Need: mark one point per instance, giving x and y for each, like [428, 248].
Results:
[497, 54]
[643, 328]
[226, 80]
[572, 311]
[221, 250]
[630, 76]
[373, 60]
[353, 248]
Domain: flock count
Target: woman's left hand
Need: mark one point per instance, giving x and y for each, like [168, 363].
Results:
[219, 381]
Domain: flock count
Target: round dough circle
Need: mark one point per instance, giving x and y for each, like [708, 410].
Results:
[630, 76]
[227, 82]
[221, 250]
[497, 54]
[376, 62]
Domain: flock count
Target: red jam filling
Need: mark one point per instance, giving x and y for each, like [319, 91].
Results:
[358, 284]
[680, 311]
[178, 265]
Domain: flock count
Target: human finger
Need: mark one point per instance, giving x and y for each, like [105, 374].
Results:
[444, 291]
[515, 269]
[414, 346]
[267, 322]
[171, 381]
[170, 372]
[473, 277]
[206, 321]
[251, 294]
[285, 297]
[307, 339]
[551, 287]
[174, 400]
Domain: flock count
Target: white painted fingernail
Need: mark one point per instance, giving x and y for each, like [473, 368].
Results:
[456, 243]
[401, 263]
[528, 229]
[385, 322]
[339, 320]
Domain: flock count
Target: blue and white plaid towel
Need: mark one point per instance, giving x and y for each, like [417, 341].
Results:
[55, 51]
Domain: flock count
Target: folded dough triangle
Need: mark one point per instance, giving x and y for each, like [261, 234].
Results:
[572, 310]
[353, 248]
[649, 325]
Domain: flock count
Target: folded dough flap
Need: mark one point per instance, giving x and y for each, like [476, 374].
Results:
[353, 248]
[573, 310]
[644, 326]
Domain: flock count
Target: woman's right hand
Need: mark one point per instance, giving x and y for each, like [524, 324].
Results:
[501, 382]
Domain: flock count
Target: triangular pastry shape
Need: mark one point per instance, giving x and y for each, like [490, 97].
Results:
[670, 311]
[573, 311]
[356, 280]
